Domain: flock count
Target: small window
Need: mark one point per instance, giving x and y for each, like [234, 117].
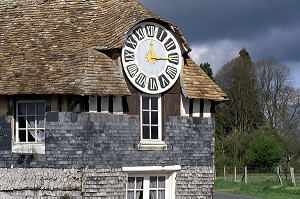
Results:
[151, 118]
[29, 136]
[30, 121]
[151, 123]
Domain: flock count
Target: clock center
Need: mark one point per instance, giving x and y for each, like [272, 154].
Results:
[151, 57]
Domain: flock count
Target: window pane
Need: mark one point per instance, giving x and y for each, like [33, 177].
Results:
[146, 133]
[130, 184]
[40, 136]
[40, 106]
[154, 117]
[22, 135]
[161, 182]
[31, 122]
[154, 103]
[145, 117]
[139, 182]
[139, 195]
[161, 194]
[145, 102]
[154, 132]
[31, 108]
[40, 122]
[22, 123]
[130, 194]
[31, 136]
[152, 194]
[21, 109]
[153, 182]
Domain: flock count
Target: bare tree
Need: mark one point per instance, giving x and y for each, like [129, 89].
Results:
[280, 102]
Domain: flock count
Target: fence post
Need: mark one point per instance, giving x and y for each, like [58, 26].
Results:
[224, 173]
[246, 175]
[278, 175]
[235, 174]
[293, 176]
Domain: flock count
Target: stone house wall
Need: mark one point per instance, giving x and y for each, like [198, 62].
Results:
[98, 145]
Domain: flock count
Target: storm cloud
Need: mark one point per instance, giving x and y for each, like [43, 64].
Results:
[217, 29]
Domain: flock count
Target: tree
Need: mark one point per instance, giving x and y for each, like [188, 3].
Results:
[265, 150]
[237, 78]
[207, 69]
[280, 103]
[237, 118]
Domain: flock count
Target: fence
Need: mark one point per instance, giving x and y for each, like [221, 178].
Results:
[245, 174]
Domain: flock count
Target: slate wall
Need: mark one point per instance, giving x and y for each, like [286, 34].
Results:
[105, 141]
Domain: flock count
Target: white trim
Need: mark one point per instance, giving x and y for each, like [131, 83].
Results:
[196, 108]
[28, 148]
[117, 105]
[104, 104]
[206, 109]
[184, 106]
[93, 103]
[152, 168]
[152, 145]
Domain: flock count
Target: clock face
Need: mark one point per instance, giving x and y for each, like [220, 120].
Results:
[151, 58]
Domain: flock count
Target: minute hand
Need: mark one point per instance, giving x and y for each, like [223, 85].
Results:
[160, 58]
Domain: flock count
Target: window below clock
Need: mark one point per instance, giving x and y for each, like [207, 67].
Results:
[29, 134]
[151, 123]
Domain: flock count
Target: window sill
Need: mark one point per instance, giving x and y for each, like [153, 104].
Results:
[34, 148]
[152, 146]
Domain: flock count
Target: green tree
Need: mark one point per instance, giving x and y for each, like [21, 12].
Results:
[207, 69]
[238, 117]
[265, 151]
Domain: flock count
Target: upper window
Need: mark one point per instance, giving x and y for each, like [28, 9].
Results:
[30, 123]
[30, 126]
[151, 122]
[151, 118]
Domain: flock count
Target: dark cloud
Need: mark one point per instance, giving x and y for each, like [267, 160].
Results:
[265, 28]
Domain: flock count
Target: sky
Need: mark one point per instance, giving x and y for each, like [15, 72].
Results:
[217, 30]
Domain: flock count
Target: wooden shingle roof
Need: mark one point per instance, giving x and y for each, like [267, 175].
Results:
[197, 85]
[71, 46]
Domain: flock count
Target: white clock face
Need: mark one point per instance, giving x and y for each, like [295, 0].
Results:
[151, 58]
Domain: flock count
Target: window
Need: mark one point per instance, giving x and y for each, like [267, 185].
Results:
[152, 187]
[30, 127]
[151, 123]
[153, 182]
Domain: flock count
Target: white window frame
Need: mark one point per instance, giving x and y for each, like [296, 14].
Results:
[27, 147]
[151, 144]
[169, 172]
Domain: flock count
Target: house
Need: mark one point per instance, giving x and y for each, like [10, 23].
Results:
[100, 99]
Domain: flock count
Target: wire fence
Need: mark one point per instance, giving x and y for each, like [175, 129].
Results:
[246, 174]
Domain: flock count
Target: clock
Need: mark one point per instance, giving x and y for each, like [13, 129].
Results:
[151, 57]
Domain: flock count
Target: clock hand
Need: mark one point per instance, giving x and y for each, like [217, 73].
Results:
[151, 56]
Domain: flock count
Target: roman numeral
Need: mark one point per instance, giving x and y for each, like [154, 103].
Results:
[163, 80]
[130, 42]
[170, 45]
[132, 70]
[152, 84]
[129, 56]
[171, 71]
[139, 33]
[150, 29]
[161, 34]
[173, 58]
[141, 80]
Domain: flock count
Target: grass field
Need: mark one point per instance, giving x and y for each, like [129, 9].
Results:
[260, 185]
